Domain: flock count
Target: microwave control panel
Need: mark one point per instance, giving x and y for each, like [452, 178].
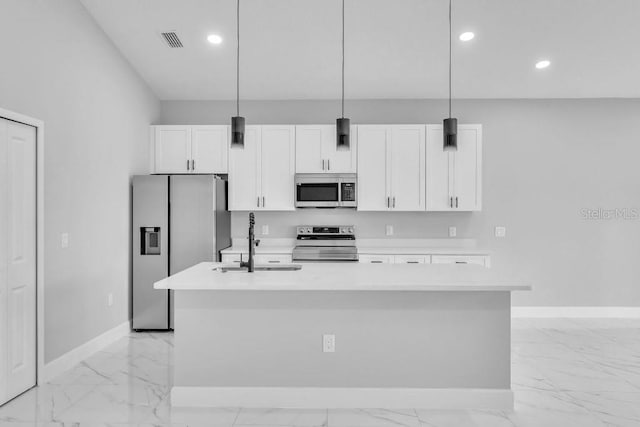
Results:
[348, 191]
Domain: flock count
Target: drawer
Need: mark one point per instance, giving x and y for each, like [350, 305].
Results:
[273, 259]
[375, 259]
[412, 259]
[459, 259]
[230, 258]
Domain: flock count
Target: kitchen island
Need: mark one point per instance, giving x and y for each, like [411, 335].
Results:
[408, 335]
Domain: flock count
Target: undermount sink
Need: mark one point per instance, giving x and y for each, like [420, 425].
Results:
[287, 267]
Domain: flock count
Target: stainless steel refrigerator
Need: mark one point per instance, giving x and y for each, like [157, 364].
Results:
[178, 221]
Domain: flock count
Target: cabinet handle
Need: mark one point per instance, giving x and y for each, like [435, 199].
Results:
[193, 165]
[376, 262]
[187, 164]
[456, 201]
[413, 262]
[461, 262]
[258, 204]
[328, 164]
[263, 201]
[322, 164]
[450, 202]
[388, 203]
[274, 261]
[394, 201]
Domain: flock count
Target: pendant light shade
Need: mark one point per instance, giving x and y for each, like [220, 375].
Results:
[450, 131]
[237, 132]
[450, 125]
[342, 134]
[343, 128]
[237, 122]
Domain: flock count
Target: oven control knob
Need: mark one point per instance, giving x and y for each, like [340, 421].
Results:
[351, 230]
[308, 230]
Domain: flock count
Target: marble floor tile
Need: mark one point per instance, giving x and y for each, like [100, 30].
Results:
[565, 372]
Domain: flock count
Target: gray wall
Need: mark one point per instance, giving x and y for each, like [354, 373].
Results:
[58, 66]
[544, 161]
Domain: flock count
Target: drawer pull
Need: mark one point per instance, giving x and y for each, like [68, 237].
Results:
[376, 262]
[272, 261]
[413, 262]
[461, 262]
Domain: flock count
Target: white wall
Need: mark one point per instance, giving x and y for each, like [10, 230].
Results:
[58, 66]
[544, 161]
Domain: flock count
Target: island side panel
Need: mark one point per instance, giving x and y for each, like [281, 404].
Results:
[383, 339]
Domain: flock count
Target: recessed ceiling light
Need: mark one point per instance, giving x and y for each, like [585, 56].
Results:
[214, 39]
[465, 37]
[543, 64]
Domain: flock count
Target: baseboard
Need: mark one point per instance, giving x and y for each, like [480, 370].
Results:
[576, 312]
[330, 397]
[78, 354]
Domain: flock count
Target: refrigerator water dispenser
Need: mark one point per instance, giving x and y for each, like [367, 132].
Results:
[150, 240]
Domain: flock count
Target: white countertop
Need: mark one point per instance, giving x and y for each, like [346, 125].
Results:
[345, 277]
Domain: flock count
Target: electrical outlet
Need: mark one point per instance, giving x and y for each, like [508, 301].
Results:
[453, 232]
[501, 231]
[389, 230]
[265, 230]
[64, 240]
[328, 343]
[110, 300]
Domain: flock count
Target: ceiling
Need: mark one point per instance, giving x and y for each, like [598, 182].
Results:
[290, 49]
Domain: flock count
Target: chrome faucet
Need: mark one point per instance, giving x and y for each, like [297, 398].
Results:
[250, 264]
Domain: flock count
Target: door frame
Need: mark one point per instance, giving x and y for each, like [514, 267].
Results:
[39, 125]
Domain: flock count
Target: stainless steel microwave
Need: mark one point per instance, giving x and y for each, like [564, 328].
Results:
[326, 190]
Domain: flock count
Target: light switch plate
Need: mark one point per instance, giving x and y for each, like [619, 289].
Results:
[110, 300]
[501, 231]
[64, 240]
[389, 230]
[453, 231]
[265, 230]
[328, 343]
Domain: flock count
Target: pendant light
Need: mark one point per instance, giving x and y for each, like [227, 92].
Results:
[343, 125]
[450, 125]
[237, 122]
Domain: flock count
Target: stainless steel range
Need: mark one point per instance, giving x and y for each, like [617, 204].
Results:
[333, 243]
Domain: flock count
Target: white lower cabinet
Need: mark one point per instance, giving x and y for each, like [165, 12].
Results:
[376, 259]
[412, 259]
[259, 258]
[460, 259]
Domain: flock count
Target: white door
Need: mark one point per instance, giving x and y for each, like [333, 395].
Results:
[278, 158]
[340, 161]
[408, 168]
[209, 149]
[244, 172]
[17, 259]
[309, 144]
[467, 177]
[373, 192]
[439, 172]
[173, 149]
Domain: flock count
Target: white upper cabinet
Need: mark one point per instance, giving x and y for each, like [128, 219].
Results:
[391, 167]
[316, 150]
[172, 149]
[261, 175]
[454, 179]
[190, 149]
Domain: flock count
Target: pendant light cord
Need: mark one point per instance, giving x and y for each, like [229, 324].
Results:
[343, 59]
[238, 58]
[450, 58]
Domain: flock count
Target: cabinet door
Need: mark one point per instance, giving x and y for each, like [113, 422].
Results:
[467, 169]
[172, 149]
[310, 141]
[439, 172]
[244, 170]
[209, 149]
[407, 160]
[375, 259]
[340, 161]
[373, 192]
[277, 154]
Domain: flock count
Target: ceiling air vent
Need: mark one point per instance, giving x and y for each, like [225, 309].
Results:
[172, 39]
